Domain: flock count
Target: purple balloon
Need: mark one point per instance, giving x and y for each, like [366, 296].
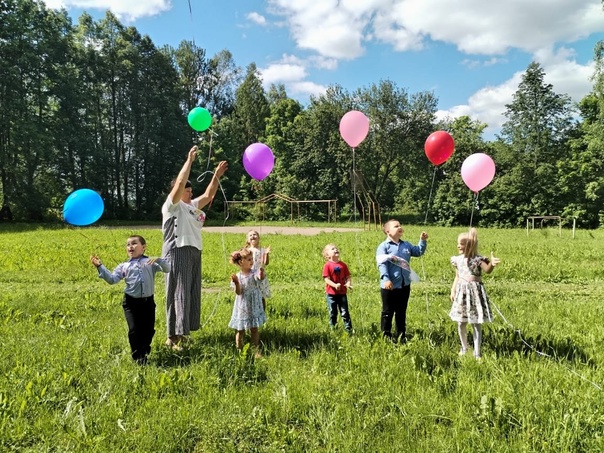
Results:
[258, 161]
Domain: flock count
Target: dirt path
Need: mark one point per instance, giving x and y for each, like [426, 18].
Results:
[262, 229]
[304, 231]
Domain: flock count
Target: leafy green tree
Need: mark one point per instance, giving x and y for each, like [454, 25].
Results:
[281, 138]
[582, 175]
[247, 125]
[393, 160]
[32, 46]
[317, 163]
[538, 125]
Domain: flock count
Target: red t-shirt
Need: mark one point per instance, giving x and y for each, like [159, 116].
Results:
[337, 273]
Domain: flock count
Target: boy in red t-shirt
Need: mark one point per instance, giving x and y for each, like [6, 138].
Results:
[337, 282]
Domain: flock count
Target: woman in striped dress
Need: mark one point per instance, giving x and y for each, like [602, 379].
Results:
[182, 220]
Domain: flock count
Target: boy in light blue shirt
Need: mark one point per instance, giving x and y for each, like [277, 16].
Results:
[393, 256]
[138, 303]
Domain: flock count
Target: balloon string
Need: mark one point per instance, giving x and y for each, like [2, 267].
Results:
[354, 187]
[543, 354]
[224, 252]
[96, 243]
[201, 177]
[356, 235]
[191, 17]
[474, 205]
[430, 196]
[425, 222]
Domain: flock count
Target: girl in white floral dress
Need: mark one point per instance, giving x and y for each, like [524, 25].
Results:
[468, 294]
[248, 312]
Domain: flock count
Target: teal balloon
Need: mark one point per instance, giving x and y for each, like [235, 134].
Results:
[199, 119]
[83, 207]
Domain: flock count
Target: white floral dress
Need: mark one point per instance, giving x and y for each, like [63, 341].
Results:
[264, 286]
[248, 311]
[470, 303]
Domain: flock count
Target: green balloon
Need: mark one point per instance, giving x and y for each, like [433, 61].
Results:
[199, 119]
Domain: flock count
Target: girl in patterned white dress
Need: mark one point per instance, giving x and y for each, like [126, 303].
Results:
[261, 259]
[248, 313]
[469, 297]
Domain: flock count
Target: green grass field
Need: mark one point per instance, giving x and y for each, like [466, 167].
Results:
[67, 383]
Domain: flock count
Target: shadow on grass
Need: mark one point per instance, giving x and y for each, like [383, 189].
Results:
[235, 368]
[505, 342]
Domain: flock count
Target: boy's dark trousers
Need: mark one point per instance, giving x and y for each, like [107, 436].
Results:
[140, 316]
[335, 303]
[394, 304]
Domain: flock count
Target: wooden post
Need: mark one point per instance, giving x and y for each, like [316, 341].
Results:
[574, 224]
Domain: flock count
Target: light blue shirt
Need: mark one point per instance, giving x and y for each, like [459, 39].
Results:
[389, 271]
[139, 276]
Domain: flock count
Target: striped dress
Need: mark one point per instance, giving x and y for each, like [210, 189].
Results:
[181, 228]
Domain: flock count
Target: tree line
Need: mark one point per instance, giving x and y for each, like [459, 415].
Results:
[97, 105]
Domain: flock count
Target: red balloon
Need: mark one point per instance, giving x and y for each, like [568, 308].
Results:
[439, 147]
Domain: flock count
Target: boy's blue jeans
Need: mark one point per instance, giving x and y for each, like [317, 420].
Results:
[335, 303]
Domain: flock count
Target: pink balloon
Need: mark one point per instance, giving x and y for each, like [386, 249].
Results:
[354, 127]
[258, 160]
[477, 171]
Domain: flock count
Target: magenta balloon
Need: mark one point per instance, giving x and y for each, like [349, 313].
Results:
[477, 171]
[354, 127]
[258, 160]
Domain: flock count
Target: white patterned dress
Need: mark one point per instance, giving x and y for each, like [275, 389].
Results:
[264, 286]
[470, 303]
[248, 311]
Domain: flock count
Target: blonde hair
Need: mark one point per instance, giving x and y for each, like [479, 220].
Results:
[247, 242]
[240, 254]
[325, 251]
[469, 241]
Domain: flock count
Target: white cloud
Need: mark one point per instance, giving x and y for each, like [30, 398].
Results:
[320, 62]
[257, 18]
[338, 28]
[564, 73]
[292, 72]
[282, 73]
[488, 104]
[330, 28]
[307, 88]
[125, 9]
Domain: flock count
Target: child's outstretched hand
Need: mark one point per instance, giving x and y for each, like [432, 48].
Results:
[348, 285]
[151, 261]
[424, 236]
[234, 279]
[96, 261]
[494, 260]
[265, 254]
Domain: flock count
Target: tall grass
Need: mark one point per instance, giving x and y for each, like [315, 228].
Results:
[67, 382]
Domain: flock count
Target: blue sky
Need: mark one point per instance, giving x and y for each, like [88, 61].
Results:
[469, 53]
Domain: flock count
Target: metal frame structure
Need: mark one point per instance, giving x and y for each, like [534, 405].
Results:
[331, 205]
